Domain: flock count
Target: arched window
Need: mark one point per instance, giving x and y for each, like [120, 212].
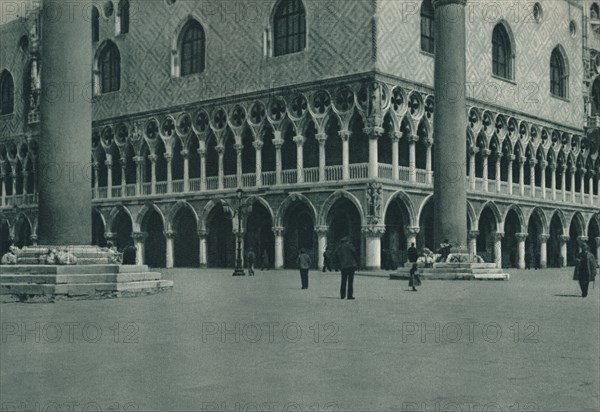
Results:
[427, 27]
[192, 48]
[289, 25]
[501, 53]
[7, 91]
[595, 11]
[558, 74]
[95, 24]
[123, 17]
[110, 69]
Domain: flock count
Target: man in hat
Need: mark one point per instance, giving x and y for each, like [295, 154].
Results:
[585, 271]
[348, 262]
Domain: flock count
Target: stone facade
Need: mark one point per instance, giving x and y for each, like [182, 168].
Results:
[335, 140]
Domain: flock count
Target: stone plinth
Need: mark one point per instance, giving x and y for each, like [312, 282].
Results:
[93, 277]
[457, 267]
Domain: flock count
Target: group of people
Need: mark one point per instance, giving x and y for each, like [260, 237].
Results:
[344, 258]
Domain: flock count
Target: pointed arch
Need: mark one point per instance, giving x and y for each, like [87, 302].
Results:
[495, 212]
[579, 222]
[539, 214]
[260, 200]
[520, 215]
[330, 201]
[563, 220]
[176, 208]
[403, 198]
[145, 210]
[288, 201]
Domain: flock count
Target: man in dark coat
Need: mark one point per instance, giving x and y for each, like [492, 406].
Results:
[251, 260]
[130, 255]
[585, 271]
[348, 262]
[413, 255]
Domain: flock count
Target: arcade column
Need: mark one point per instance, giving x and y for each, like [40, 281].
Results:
[498, 249]
[372, 235]
[278, 232]
[65, 199]
[322, 242]
[450, 191]
[139, 239]
[544, 251]
[202, 234]
[170, 239]
[521, 237]
[564, 241]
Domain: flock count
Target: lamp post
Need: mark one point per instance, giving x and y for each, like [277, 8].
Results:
[239, 269]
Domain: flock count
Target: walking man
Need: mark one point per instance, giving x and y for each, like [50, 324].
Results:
[251, 259]
[304, 263]
[327, 259]
[348, 262]
[585, 271]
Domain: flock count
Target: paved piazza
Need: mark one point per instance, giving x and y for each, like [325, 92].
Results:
[219, 343]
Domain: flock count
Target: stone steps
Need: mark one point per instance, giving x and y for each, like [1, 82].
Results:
[79, 278]
[40, 283]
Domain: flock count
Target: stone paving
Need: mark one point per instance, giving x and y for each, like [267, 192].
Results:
[219, 343]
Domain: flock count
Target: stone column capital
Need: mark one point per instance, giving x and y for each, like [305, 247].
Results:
[522, 160]
[428, 141]
[278, 231]
[374, 132]
[321, 230]
[412, 139]
[396, 136]
[486, 152]
[473, 151]
[552, 166]
[544, 238]
[170, 234]
[563, 168]
[169, 157]
[185, 153]
[344, 135]
[498, 236]
[543, 164]
[238, 147]
[533, 162]
[299, 140]
[582, 238]
[412, 230]
[564, 239]
[321, 138]
[153, 158]
[583, 171]
[201, 151]
[521, 237]
[108, 235]
[138, 159]
[473, 234]
[202, 233]
[258, 145]
[139, 237]
[511, 158]
[375, 231]
[277, 143]
[220, 149]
